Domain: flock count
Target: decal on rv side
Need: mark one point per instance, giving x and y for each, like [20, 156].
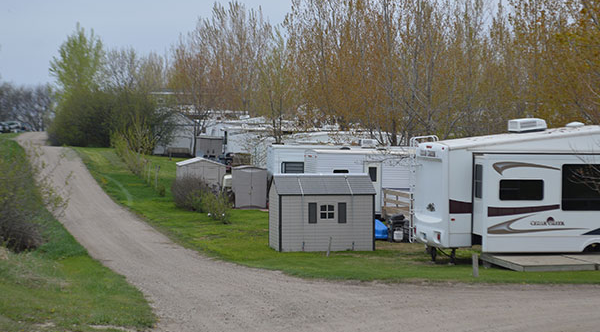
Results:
[505, 227]
[504, 165]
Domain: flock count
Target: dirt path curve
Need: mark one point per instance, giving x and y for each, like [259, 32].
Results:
[190, 292]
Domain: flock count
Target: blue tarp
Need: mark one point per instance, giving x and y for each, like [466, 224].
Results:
[381, 231]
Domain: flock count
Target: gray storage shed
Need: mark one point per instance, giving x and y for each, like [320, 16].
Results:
[210, 171]
[249, 184]
[306, 210]
[209, 146]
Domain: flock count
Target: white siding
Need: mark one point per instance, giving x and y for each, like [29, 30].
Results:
[358, 227]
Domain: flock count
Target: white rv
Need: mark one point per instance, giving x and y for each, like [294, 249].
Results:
[527, 191]
[388, 168]
[289, 158]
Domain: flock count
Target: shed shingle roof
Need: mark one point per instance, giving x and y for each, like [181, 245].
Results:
[323, 184]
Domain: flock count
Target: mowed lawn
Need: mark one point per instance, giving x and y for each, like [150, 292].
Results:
[59, 287]
[245, 239]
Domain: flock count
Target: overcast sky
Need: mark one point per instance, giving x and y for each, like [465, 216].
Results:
[31, 31]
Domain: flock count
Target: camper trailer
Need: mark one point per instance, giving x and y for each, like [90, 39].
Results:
[387, 167]
[289, 158]
[531, 190]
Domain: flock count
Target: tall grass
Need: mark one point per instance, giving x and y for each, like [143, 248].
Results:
[57, 286]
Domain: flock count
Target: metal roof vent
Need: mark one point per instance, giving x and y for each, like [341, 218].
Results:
[526, 125]
[574, 124]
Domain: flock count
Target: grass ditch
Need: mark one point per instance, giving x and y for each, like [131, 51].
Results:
[58, 286]
[245, 239]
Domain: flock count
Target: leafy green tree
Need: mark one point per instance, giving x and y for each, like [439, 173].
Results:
[79, 63]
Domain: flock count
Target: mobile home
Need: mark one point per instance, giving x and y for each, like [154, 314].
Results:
[530, 190]
[388, 168]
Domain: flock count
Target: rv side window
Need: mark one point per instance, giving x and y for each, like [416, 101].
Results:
[312, 213]
[373, 174]
[292, 167]
[581, 187]
[521, 190]
[340, 171]
[342, 213]
[478, 180]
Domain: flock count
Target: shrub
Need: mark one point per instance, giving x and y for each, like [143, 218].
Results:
[187, 192]
[217, 206]
[20, 227]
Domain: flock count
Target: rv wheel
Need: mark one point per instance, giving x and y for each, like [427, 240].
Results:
[594, 247]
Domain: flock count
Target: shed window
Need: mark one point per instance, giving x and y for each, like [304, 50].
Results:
[327, 211]
[342, 213]
[312, 213]
[521, 190]
[477, 180]
[580, 187]
[292, 167]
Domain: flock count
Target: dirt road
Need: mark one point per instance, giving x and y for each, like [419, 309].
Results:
[190, 292]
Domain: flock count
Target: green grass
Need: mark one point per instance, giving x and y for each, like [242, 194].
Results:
[59, 287]
[245, 240]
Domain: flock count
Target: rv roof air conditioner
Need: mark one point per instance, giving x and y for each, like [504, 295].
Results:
[368, 143]
[526, 125]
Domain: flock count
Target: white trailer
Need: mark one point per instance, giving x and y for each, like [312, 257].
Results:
[289, 158]
[528, 191]
[388, 168]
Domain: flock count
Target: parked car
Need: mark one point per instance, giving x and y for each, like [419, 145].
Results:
[14, 127]
[4, 128]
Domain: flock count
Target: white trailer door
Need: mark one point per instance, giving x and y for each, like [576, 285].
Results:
[478, 195]
[374, 171]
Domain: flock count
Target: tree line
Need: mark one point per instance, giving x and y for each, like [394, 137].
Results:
[398, 68]
[395, 68]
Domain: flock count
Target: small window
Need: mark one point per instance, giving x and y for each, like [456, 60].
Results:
[373, 174]
[340, 171]
[581, 187]
[312, 213]
[342, 213]
[292, 167]
[478, 180]
[327, 211]
[521, 190]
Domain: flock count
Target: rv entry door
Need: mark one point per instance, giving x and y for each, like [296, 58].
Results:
[478, 195]
[374, 171]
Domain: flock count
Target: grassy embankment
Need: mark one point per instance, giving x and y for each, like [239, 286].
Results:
[245, 240]
[59, 287]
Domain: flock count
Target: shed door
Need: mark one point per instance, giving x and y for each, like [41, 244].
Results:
[255, 189]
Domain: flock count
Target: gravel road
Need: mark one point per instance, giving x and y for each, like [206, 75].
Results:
[190, 292]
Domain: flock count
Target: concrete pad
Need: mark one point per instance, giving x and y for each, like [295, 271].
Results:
[590, 258]
[541, 262]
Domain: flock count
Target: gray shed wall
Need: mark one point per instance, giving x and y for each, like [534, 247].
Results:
[296, 229]
[250, 187]
[206, 146]
[273, 219]
[210, 172]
